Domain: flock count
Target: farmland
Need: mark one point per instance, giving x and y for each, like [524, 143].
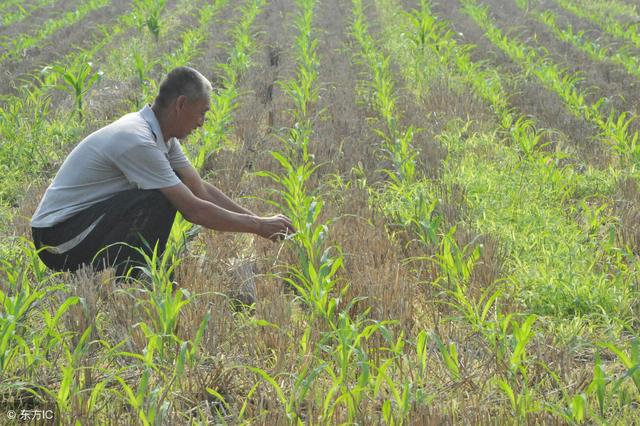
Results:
[463, 176]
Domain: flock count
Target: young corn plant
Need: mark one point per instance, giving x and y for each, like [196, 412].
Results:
[573, 409]
[24, 124]
[630, 361]
[529, 140]
[243, 37]
[302, 89]
[618, 133]
[613, 393]
[146, 400]
[71, 386]
[431, 45]
[77, 81]
[455, 263]
[454, 59]
[355, 376]
[342, 360]
[165, 302]
[165, 355]
[510, 349]
[19, 300]
[223, 101]
[314, 275]
[611, 9]
[149, 15]
[150, 400]
[413, 207]
[8, 4]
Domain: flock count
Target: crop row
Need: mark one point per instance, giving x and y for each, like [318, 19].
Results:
[600, 13]
[583, 43]
[313, 272]
[335, 373]
[18, 46]
[23, 12]
[405, 393]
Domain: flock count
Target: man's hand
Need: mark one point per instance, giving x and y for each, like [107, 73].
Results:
[275, 227]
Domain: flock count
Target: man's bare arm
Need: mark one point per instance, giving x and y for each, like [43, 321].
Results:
[212, 216]
[209, 192]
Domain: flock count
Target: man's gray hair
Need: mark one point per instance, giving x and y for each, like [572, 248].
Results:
[183, 81]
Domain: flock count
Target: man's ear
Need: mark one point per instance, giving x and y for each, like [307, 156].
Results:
[180, 102]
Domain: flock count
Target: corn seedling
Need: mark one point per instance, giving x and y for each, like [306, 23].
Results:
[456, 263]
[193, 39]
[314, 276]
[8, 4]
[143, 67]
[148, 14]
[573, 409]
[631, 361]
[78, 81]
[165, 302]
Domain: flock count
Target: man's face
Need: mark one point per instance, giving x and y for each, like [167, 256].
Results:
[191, 115]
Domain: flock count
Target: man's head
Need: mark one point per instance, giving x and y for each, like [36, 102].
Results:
[182, 101]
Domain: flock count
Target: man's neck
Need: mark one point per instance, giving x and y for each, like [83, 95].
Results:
[161, 116]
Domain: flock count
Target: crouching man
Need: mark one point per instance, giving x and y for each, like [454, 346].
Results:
[125, 182]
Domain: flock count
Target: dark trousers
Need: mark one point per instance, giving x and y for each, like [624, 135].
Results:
[138, 218]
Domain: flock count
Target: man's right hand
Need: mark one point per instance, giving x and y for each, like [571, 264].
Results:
[275, 227]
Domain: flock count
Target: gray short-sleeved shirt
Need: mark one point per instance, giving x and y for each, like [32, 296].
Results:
[127, 154]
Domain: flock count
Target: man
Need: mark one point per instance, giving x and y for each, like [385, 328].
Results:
[125, 182]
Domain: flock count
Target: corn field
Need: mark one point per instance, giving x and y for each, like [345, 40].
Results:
[463, 176]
